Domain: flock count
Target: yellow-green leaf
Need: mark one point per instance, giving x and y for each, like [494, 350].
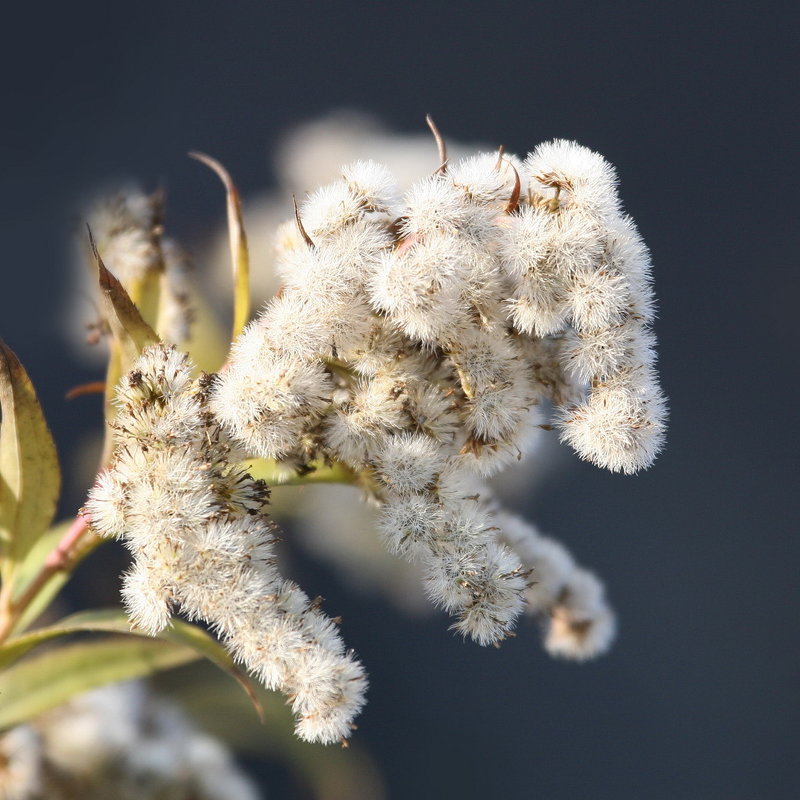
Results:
[240, 258]
[48, 679]
[30, 479]
[114, 620]
[104, 620]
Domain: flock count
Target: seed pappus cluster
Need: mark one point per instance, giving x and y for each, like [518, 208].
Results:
[413, 342]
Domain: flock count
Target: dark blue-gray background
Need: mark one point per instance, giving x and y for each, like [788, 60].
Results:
[695, 103]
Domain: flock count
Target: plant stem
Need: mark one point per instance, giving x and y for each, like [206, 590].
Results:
[63, 558]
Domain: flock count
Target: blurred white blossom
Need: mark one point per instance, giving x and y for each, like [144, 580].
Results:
[117, 742]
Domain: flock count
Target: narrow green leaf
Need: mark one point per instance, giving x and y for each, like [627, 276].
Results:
[114, 620]
[103, 620]
[240, 257]
[48, 679]
[30, 479]
[205, 645]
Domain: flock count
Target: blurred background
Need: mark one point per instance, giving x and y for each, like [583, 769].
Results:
[695, 104]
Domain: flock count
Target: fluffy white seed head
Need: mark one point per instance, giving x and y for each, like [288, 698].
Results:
[627, 254]
[585, 179]
[358, 427]
[485, 180]
[409, 463]
[202, 543]
[125, 227]
[106, 505]
[597, 299]
[161, 374]
[497, 596]
[175, 312]
[605, 352]
[266, 400]
[434, 206]
[496, 383]
[373, 186]
[621, 425]
[542, 252]
[410, 523]
[329, 209]
[549, 562]
[147, 598]
[419, 287]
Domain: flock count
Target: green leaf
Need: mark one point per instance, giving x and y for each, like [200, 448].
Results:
[30, 479]
[104, 620]
[114, 620]
[205, 645]
[240, 258]
[48, 679]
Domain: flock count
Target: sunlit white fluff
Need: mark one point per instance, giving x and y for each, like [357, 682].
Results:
[585, 179]
[268, 399]
[409, 462]
[125, 229]
[409, 523]
[435, 206]
[621, 425]
[485, 179]
[597, 299]
[495, 381]
[542, 251]
[117, 741]
[355, 430]
[373, 186]
[627, 254]
[419, 287]
[175, 312]
[194, 550]
[330, 208]
[411, 343]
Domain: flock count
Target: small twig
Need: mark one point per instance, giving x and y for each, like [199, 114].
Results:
[440, 144]
[60, 559]
[306, 238]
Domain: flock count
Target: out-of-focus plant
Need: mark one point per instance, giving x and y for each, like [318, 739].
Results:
[407, 352]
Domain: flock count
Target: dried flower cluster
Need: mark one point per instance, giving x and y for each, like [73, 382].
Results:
[202, 542]
[413, 341]
[117, 742]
